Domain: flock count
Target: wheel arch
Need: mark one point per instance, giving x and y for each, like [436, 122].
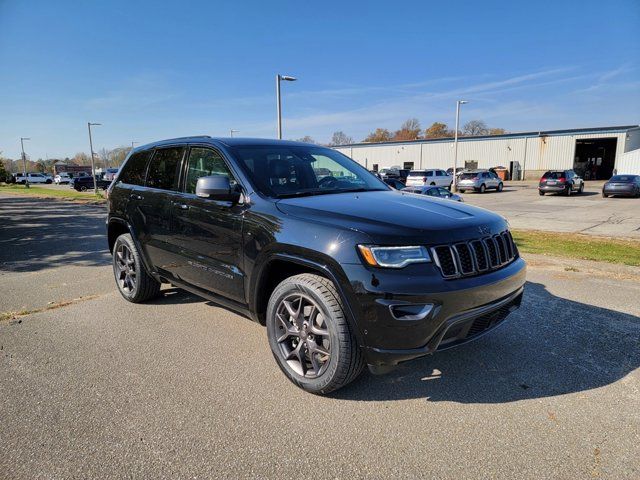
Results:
[279, 266]
[117, 226]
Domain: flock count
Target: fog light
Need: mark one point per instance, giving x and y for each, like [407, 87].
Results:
[410, 311]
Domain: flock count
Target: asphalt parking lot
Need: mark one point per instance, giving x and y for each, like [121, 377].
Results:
[586, 213]
[92, 386]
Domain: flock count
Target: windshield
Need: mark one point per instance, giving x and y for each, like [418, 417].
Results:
[623, 178]
[282, 171]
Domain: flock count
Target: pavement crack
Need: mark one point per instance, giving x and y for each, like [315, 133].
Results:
[14, 316]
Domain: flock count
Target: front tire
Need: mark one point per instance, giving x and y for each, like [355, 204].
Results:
[133, 281]
[581, 189]
[483, 188]
[541, 193]
[309, 335]
[500, 186]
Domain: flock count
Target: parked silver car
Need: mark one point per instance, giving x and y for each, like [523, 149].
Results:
[431, 191]
[479, 181]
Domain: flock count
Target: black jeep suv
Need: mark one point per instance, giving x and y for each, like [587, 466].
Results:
[343, 270]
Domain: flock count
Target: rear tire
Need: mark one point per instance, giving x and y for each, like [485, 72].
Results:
[604, 195]
[133, 281]
[568, 190]
[461, 191]
[483, 188]
[83, 188]
[432, 184]
[500, 187]
[541, 193]
[309, 335]
[581, 189]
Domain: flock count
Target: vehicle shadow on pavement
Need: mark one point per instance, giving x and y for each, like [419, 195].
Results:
[37, 233]
[550, 346]
[174, 296]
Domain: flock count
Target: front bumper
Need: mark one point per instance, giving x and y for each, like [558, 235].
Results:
[463, 308]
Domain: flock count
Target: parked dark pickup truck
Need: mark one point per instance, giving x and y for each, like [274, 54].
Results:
[343, 270]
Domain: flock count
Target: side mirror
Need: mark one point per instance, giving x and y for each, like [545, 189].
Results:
[216, 187]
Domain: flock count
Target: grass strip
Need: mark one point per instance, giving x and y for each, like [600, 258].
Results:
[575, 245]
[34, 191]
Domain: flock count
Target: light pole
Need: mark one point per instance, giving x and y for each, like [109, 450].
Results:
[132, 143]
[24, 161]
[455, 145]
[93, 169]
[279, 78]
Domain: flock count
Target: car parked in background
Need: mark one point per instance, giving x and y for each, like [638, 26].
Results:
[622, 186]
[435, 177]
[32, 178]
[459, 170]
[62, 177]
[393, 172]
[479, 181]
[431, 191]
[394, 183]
[560, 181]
[82, 184]
[111, 173]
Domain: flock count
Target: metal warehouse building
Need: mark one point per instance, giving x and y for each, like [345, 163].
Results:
[593, 153]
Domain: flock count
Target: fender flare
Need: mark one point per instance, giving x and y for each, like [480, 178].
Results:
[143, 255]
[325, 268]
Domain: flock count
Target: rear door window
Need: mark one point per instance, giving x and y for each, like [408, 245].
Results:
[163, 168]
[134, 170]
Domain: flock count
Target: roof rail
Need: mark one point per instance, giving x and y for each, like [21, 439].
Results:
[184, 138]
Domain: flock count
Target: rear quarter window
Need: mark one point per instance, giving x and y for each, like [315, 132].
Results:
[163, 168]
[134, 170]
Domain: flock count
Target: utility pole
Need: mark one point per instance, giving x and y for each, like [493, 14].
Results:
[454, 183]
[232, 131]
[24, 161]
[93, 166]
[279, 78]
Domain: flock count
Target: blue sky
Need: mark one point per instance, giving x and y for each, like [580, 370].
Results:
[153, 70]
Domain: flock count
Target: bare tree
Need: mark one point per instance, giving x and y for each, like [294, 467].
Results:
[306, 139]
[474, 128]
[340, 138]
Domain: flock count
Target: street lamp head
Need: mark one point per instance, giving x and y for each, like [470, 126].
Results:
[25, 138]
[462, 102]
[92, 124]
[288, 78]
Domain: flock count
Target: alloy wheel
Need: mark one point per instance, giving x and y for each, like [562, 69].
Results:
[125, 268]
[303, 335]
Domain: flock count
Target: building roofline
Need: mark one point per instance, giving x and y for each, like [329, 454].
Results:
[542, 133]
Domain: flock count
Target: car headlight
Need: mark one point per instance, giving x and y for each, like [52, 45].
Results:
[393, 257]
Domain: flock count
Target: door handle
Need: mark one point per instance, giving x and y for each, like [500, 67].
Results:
[181, 206]
[134, 196]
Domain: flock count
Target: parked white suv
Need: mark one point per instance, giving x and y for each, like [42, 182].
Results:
[418, 178]
[32, 178]
[62, 177]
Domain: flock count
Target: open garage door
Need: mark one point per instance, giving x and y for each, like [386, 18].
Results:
[595, 158]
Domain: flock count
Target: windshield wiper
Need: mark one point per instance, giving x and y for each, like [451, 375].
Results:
[328, 192]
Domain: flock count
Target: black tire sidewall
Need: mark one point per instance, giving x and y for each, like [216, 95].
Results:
[128, 241]
[314, 385]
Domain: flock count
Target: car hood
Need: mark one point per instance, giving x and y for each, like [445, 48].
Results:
[392, 217]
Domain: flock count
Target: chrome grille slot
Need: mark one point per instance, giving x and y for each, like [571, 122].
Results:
[475, 256]
[502, 251]
[480, 254]
[493, 252]
[446, 261]
[465, 260]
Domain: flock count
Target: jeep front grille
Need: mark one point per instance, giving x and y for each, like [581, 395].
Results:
[476, 256]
